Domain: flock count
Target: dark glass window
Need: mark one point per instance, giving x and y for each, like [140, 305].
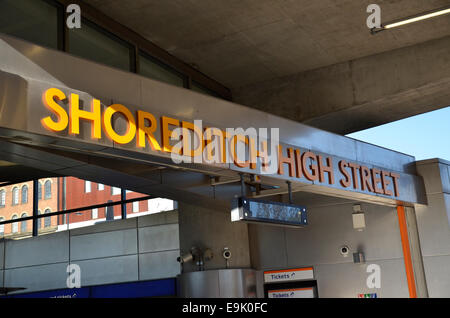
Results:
[47, 220]
[93, 43]
[31, 20]
[15, 196]
[201, 89]
[2, 226]
[48, 189]
[39, 190]
[154, 69]
[2, 198]
[39, 220]
[15, 225]
[23, 224]
[24, 194]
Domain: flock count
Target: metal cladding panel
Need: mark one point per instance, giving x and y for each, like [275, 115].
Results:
[159, 264]
[104, 244]
[158, 238]
[29, 69]
[437, 273]
[433, 225]
[108, 270]
[38, 250]
[35, 278]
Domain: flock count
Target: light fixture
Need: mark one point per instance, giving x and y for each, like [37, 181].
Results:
[358, 218]
[411, 19]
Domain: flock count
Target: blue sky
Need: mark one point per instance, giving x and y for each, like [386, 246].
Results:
[424, 136]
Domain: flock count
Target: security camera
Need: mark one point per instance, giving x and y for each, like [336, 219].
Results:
[344, 249]
[226, 253]
[185, 258]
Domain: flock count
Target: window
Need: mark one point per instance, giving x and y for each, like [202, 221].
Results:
[15, 226]
[15, 196]
[48, 189]
[100, 186]
[115, 191]
[152, 68]
[24, 194]
[87, 186]
[47, 220]
[39, 220]
[136, 206]
[31, 20]
[94, 213]
[93, 43]
[23, 224]
[201, 89]
[39, 191]
[2, 198]
[2, 226]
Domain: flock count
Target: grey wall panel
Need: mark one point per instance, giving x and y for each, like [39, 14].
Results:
[268, 246]
[431, 174]
[108, 270]
[104, 244]
[159, 265]
[2, 255]
[158, 238]
[1, 278]
[36, 278]
[433, 226]
[158, 218]
[38, 250]
[348, 280]
[106, 226]
[331, 227]
[437, 272]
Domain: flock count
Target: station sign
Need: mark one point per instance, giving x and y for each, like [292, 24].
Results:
[292, 293]
[289, 275]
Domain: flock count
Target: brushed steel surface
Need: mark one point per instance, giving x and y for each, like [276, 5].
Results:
[222, 283]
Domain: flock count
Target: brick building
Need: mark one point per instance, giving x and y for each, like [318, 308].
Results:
[16, 201]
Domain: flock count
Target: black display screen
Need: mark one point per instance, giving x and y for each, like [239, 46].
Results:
[271, 212]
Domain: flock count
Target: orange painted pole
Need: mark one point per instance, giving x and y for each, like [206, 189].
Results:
[406, 252]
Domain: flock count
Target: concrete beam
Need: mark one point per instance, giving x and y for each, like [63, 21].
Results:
[361, 93]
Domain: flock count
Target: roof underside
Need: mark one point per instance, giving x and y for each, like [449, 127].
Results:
[241, 42]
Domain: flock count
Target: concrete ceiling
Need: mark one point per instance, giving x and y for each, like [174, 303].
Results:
[242, 42]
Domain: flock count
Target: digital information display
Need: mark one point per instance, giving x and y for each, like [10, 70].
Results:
[277, 213]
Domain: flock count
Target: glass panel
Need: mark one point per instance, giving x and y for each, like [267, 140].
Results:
[48, 193]
[201, 89]
[48, 189]
[158, 71]
[24, 194]
[31, 20]
[2, 227]
[92, 43]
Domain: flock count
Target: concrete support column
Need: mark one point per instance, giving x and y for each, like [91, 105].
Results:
[433, 224]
